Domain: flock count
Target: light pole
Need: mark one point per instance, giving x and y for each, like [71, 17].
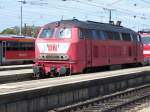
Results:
[21, 3]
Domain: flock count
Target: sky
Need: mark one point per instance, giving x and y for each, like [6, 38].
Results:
[134, 14]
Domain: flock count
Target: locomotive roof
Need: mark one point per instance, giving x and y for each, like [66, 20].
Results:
[14, 36]
[89, 25]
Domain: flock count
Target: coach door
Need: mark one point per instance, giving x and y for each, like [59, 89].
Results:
[0, 52]
[3, 50]
[88, 50]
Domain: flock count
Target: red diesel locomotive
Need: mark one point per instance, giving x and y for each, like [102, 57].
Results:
[16, 49]
[73, 46]
[145, 34]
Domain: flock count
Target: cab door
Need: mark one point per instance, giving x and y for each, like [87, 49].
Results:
[3, 50]
[139, 48]
[1, 53]
[88, 48]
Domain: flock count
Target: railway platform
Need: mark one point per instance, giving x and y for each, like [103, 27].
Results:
[15, 67]
[15, 75]
[46, 94]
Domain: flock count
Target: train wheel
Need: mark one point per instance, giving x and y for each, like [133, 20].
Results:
[68, 72]
[36, 76]
[115, 67]
[40, 76]
[87, 70]
[38, 72]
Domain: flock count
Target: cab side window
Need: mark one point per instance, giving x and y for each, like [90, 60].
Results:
[126, 36]
[95, 34]
[88, 34]
[116, 36]
[110, 35]
[85, 33]
[134, 36]
[81, 34]
[103, 35]
[139, 38]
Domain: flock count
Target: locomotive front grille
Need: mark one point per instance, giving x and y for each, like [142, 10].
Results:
[53, 57]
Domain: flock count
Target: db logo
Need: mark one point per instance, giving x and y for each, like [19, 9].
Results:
[52, 47]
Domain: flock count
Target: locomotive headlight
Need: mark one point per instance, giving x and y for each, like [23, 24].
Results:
[64, 57]
[42, 56]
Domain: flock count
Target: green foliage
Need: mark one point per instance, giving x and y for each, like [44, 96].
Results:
[26, 31]
[9, 31]
[31, 31]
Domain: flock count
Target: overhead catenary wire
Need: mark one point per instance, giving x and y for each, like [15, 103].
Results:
[126, 12]
[119, 10]
[114, 2]
[67, 10]
[147, 2]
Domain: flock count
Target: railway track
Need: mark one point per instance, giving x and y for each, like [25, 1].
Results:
[123, 101]
[51, 94]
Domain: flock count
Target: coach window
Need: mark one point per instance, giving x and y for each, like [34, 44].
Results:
[17, 45]
[8, 46]
[30, 46]
[22, 46]
[126, 37]
[12, 46]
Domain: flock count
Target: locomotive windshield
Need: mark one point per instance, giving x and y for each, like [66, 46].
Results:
[146, 40]
[63, 33]
[47, 33]
[56, 33]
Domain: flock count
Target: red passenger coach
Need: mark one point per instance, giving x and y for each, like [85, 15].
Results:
[16, 49]
[146, 49]
[73, 46]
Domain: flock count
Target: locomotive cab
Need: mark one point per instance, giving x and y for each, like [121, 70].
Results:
[55, 50]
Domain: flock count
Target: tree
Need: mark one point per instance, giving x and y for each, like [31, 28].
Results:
[31, 30]
[26, 31]
[9, 31]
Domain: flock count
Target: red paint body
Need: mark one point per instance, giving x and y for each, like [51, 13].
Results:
[16, 55]
[84, 53]
[15, 49]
